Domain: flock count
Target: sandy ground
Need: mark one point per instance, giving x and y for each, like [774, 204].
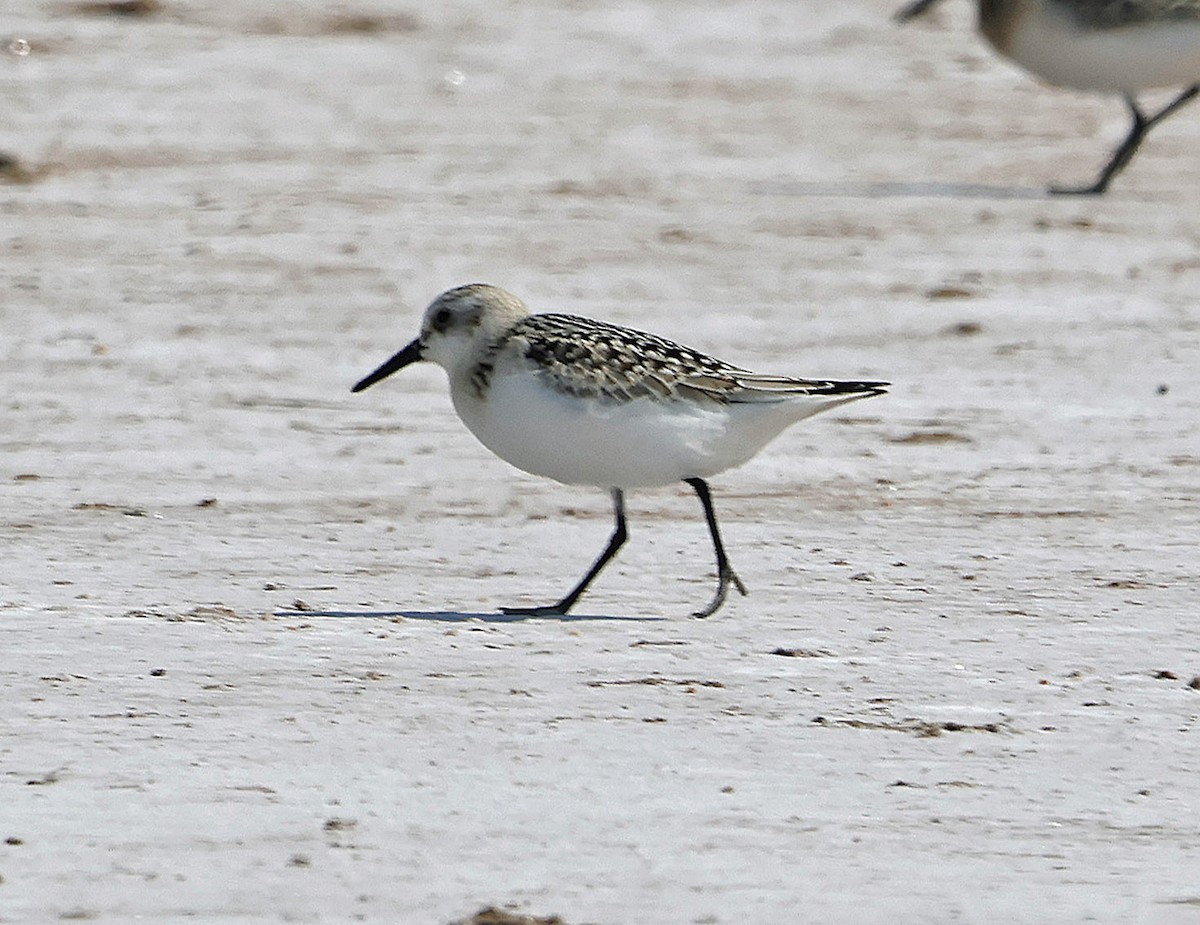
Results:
[253, 669]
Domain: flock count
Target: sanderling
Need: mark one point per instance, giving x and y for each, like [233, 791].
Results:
[590, 403]
[1105, 46]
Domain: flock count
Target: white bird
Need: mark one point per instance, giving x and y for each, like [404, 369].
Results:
[590, 403]
[1119, 47]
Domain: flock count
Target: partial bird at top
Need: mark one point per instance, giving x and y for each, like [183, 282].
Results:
[1121, 47]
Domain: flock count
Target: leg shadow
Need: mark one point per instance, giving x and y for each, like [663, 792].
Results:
[896, 189]
[462, 616]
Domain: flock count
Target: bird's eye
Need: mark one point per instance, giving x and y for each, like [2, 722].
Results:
[442, 319]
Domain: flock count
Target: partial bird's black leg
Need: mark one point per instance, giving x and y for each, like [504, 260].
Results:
[913, 10]
[619, 535]
[725, 573]
[1124, 154]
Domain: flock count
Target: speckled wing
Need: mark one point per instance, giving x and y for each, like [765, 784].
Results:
[593, 359]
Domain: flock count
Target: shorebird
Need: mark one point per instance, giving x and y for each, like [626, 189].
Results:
[590, 403]
[1103, 46]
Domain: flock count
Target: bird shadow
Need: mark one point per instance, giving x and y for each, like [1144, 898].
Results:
[464, 616]
[896, 189]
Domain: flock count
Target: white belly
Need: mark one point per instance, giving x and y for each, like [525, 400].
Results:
[633, 444]
[1122, 60]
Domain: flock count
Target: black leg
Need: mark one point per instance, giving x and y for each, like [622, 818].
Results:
[619, 535]
[1124, 154]
[913, 10]
[725, 573]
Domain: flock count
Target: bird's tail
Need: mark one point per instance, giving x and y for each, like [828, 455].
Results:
[776, 388]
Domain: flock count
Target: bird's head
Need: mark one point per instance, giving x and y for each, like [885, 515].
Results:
[457, 325]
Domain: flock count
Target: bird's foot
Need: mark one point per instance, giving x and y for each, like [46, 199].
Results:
[1094, 189]
[727, 577]
[546, 610]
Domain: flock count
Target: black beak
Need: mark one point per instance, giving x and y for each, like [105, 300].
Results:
[410, 354]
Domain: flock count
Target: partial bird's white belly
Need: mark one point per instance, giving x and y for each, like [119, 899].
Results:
[610, 444]
[1122, 60]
